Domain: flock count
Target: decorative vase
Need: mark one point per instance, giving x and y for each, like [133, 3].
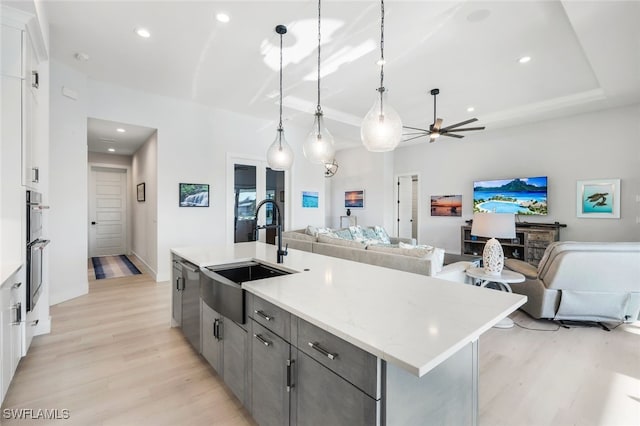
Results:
[348, 212]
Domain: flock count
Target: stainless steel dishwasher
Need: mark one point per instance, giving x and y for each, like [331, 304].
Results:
[191, 303]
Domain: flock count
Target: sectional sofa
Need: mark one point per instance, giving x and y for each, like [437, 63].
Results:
[418, 260]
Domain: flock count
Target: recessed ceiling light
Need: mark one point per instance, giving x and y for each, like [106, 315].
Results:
[223, 17]
[524, 59]
[111, 150]
[471, 109]
[120, 130]
[143, 32]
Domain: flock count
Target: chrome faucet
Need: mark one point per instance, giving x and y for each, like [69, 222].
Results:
[278, 226]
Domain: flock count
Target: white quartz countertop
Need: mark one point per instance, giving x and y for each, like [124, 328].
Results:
[412, 321]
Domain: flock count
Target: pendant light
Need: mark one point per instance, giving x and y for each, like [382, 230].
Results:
[381, 128]
[319, 146]
[280, 154]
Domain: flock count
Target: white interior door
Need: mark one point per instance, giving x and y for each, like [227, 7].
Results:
[107, 211]
[405, 207]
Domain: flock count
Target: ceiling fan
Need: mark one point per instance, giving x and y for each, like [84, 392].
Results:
[435, 129]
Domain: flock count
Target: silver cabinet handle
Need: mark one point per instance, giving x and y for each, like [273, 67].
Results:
[18, 308]
[262, 340]
[16, 285]
[323, 351]
[289, 374]
[263, 315]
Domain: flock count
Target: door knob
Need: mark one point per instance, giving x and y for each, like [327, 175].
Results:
[93, 223]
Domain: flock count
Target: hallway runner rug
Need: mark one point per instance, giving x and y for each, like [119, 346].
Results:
[113, 267]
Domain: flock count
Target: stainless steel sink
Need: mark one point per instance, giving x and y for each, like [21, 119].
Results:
[247, 271]
[221, 286]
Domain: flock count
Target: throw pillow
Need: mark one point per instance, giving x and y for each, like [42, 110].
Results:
[315, 231]
[344, 234]
[356, 233]
[369, 234]
[382, 234]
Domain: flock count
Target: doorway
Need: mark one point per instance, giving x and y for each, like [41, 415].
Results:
[408, 205]
[107, 211]
[251, 181]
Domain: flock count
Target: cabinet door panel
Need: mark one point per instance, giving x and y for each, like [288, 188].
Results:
[211, 345]
[176, 295]
[235, 355]
[324, 398]
[269, 396]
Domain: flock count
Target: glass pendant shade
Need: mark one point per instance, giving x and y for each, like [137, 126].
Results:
[319, 147]
[381, 128]
[280, 154]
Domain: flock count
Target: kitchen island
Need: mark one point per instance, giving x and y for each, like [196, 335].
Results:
[422, 331]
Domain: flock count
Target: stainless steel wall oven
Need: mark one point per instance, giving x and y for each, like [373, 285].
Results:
[35, 246]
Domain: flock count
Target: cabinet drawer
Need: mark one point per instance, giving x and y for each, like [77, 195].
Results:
[272, 317]
[350, 362]
[539, 236]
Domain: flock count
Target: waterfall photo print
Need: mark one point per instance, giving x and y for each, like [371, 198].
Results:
[194, 195]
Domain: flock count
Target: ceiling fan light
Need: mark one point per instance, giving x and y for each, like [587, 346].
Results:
[280, 154]
[381, 128]
[319, 146]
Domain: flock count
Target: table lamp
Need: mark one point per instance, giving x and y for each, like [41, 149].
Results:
[493, 225]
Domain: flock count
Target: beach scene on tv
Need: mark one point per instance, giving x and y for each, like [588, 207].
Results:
[525, 196]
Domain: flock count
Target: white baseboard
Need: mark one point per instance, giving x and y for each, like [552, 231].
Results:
[148, 269]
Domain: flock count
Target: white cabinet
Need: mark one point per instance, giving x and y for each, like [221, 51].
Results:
[31, 140]
[11, 328]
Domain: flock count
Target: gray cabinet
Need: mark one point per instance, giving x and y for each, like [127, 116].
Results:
[270, 377]
[224, 346]
[303, 375]
[190, 321]
[325, 398]
[176, 294]
[211, 337]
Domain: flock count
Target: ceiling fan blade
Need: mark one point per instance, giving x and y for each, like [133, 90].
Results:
[462, 123]
[415, 137]
[415, 128]
[436, 126]
[452, 135]
[462, 130]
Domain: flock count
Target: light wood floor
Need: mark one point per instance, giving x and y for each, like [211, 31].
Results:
[111, 359]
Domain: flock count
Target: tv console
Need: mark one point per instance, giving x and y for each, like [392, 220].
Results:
[529, 244]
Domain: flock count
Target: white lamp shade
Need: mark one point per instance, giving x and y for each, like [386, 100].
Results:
[319, 147]
[280, 154]
[381, 128]
[493, 225]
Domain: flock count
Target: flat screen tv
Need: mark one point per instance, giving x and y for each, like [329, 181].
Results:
[524, 196]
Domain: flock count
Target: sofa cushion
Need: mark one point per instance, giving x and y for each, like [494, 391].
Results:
[340, 242]
[434, 254]
[315, 231]
[293, 235]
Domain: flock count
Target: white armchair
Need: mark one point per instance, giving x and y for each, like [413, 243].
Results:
[582, 281]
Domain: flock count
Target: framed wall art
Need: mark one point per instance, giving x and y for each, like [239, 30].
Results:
[310, 199]
[354, 199]
[193, 195]
[140, 192]
[446, 205]
[598, 198]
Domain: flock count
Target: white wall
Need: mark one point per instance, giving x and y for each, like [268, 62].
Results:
[110, 159]
[565, 150]
[192, 145]
[68, 186]
[145, 213]
[371, 171]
